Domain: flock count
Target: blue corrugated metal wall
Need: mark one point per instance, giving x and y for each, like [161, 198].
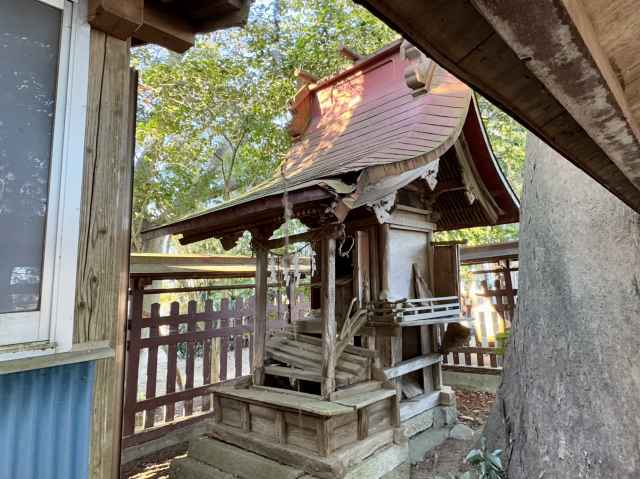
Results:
[45, 423]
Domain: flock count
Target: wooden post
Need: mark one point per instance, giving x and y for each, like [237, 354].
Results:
[260, 321]
[291, 294]
[328, 281]
[385, 259]
[133, 358]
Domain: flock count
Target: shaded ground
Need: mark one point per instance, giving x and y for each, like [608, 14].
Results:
[156, 466]
[448, 458]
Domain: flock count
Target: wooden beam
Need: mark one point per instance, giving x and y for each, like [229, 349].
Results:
[119, 18]
[328, 315]
[417, 405]
[166, 29]
[410, 365]
[508, 51]
[260, 322]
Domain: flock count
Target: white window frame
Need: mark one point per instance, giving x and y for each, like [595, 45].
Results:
[50, 330]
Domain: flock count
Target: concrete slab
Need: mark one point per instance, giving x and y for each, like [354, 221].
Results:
[238, 461]
[187, 468]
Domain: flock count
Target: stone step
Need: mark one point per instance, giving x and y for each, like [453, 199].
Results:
[238, 462]
[188, 468]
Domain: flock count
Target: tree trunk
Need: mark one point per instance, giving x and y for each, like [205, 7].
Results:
[570, 397]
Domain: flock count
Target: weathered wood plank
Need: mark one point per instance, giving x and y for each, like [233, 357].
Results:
[289, 402]
[102, 277]
[419, 404]
[410, 365]
[119, 18]
[363, 424]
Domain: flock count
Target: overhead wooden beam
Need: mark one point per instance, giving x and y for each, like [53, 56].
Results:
[119, 18]
[504, 50]
[565, 55]
[166, 29]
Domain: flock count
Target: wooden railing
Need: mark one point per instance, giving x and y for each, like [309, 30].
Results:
[174, 356]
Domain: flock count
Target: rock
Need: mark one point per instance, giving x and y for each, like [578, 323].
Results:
[461, 432]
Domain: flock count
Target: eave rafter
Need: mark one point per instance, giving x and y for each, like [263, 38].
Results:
[169, 23]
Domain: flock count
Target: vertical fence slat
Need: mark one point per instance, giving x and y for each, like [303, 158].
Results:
[191, 357]
[239, 339]
[172, 364]
[206, 355]
[224, 342]
[480, 359]
[152, 366]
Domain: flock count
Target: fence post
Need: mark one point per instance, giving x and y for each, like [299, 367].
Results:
[133, 358]
[152, 366]
[207, 355]
[172, 363]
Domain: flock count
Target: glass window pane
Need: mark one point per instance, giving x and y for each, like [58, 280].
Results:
[29, 52]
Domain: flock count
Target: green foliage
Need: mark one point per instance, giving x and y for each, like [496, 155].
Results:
[486, 465]
[502, 339]
[211, 123]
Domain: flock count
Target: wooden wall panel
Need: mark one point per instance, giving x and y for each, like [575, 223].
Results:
[101, 295]
[446, 270]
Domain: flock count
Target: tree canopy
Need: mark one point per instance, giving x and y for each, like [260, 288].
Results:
[211, 123]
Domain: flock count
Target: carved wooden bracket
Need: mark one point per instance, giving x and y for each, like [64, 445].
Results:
[419, 74]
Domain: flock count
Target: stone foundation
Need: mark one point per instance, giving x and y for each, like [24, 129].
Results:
[213, 459]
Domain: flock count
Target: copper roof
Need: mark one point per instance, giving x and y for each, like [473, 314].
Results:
[363, 125]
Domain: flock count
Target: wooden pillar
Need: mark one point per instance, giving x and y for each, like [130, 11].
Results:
[328, 281]
[385, 259]
[105, 225]
[291, 295]
[260, 320]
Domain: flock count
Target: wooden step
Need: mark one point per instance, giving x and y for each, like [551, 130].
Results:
[361, 400]
[364, 387]
[284, 400]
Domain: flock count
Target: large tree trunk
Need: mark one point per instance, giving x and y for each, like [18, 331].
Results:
[570, 397]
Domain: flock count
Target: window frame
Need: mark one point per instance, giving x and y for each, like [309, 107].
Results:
[50, 329]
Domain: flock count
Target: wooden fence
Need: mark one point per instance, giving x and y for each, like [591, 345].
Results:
[489, 298]
[175, 357]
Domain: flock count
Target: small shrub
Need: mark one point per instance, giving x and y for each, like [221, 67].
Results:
[486, 465]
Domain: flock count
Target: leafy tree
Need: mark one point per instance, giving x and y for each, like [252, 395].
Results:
[211, 122]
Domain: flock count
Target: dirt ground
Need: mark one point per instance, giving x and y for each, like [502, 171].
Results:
[473, 410]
